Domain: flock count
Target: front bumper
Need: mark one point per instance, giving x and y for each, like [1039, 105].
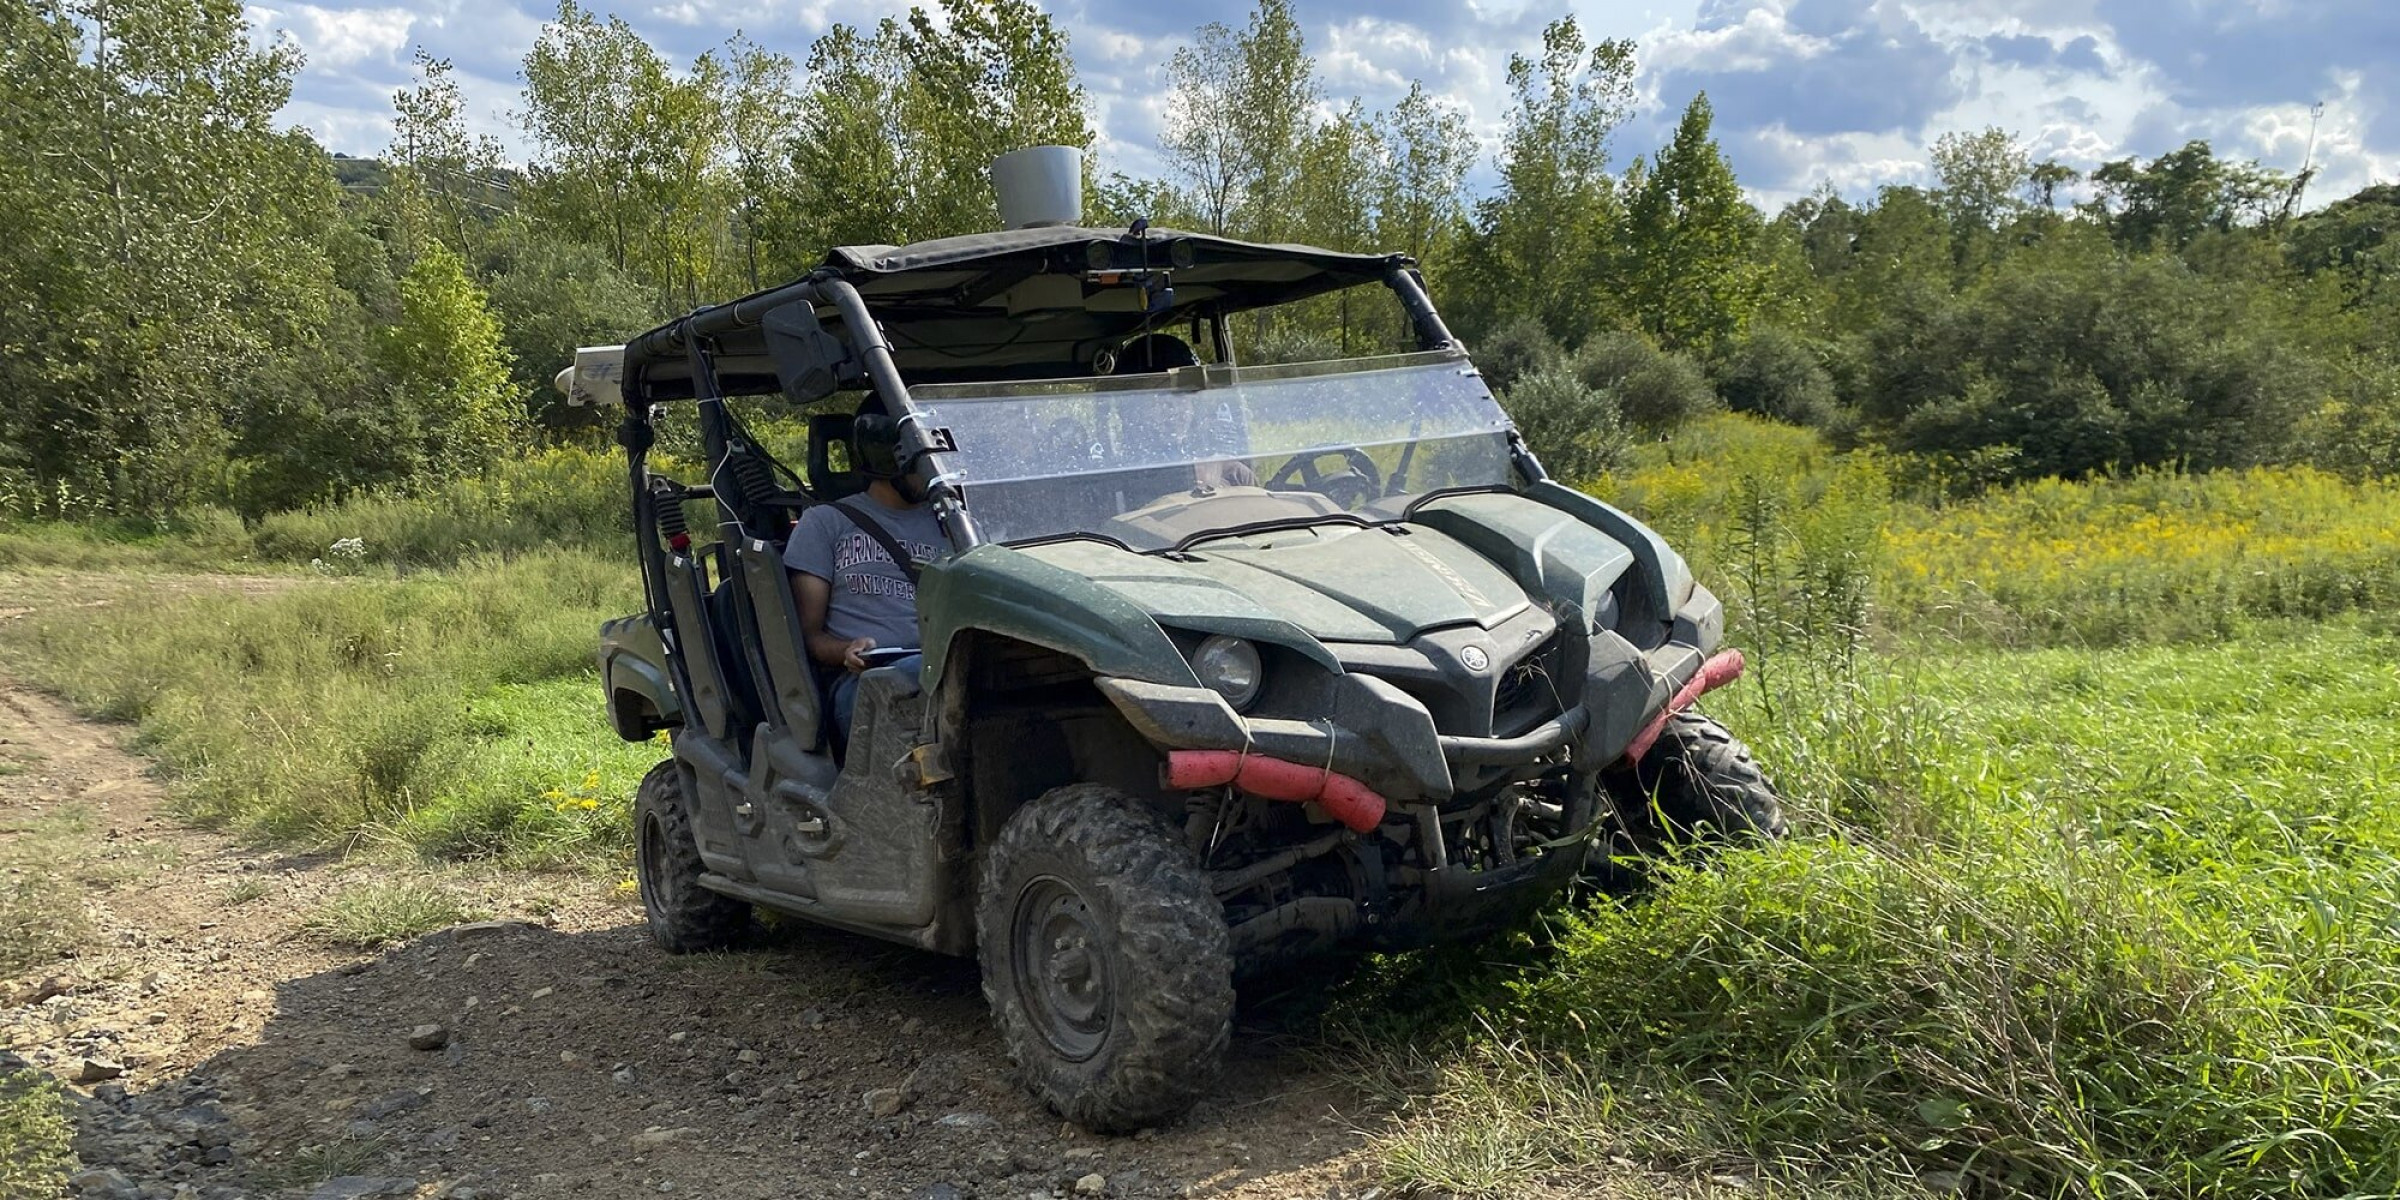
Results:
[1387, 739]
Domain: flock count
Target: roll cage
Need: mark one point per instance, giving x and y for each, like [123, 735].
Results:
[1021, 304]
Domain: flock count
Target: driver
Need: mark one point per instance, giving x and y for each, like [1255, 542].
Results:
[1173, 427]
[854, 597]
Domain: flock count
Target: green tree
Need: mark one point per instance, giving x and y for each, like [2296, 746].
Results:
[442, 176]
[445, 363]
[1982, 175]
[1238, 115]
[2046, 177]
[762, 112]
[552, 295]
[899, 127]
[1689, 261]
[165, 242]
[1428, 149]
[630, 155]
[1541, 241]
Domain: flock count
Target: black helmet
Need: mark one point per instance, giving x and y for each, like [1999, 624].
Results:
[875, 443]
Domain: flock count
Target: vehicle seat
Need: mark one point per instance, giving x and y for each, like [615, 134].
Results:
[741, 682]
[792, 682]
[825, 431]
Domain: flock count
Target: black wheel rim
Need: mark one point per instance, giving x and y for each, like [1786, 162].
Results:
[651, 854]
[1061, 967]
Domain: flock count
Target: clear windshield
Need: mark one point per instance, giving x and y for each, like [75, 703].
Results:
[1152, 461]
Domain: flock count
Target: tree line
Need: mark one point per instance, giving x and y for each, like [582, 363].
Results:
[199, 308]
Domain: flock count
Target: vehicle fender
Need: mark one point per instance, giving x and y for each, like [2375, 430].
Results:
[1666, 580]
[633, 663]
[1701, 620]
[1621, 689]
[994, 589]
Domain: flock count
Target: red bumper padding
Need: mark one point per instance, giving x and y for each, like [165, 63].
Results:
[1352, 803]
[1713, 674]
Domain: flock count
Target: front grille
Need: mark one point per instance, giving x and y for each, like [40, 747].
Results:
[1529, 690]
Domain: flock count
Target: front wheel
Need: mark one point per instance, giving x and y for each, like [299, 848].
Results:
[684, 916]
[1697, 785]
[1701, 782]
[1105, 959]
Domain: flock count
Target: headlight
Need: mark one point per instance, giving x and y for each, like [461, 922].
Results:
[1230, 668]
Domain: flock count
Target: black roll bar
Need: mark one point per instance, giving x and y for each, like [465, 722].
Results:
[918, 449]
[1410, 287]
[922, 449]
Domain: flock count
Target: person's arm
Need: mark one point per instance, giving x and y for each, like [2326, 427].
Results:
[816, 599]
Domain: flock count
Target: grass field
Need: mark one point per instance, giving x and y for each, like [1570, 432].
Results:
[2064, 923]
[2096, 893]
[454, 713]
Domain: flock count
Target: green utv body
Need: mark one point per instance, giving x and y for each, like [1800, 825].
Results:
[1229, 666]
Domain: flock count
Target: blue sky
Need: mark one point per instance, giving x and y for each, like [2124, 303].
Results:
[1846, 91]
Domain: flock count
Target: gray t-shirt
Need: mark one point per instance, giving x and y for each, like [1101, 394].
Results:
[872, 596]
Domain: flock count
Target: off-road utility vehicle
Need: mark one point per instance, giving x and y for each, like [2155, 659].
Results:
[1226, 665]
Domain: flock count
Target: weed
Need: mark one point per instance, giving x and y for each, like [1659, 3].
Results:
[2072, 924]
[444, 711]
[42, 917]
[34, 1135]
[387, 912]
[314, 1164]
[246, 891]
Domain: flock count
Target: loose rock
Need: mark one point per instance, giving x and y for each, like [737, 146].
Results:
[392, 1104]
[98, 1070]
[1094, 1184]
[104, 1185]
[361, 1187]
[428, 1037]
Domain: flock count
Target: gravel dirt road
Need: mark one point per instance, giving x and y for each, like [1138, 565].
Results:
[218, 1050]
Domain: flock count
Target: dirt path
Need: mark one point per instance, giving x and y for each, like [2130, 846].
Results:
[573, 1059]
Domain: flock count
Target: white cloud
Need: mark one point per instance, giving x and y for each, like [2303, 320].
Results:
[336, 38]
[1851, 91]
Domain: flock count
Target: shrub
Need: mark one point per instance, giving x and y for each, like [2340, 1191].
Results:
[1655, 391]
[1776, 373]
[561, 497]
[1515, 351]
[1573, 429]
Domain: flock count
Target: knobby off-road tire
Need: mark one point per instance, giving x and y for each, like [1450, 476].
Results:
[1105, 959]
[1700, 782]
[684, 917]
[1697, 786]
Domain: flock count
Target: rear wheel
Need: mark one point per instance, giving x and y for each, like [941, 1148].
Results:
[684, 916]
[1105, 959]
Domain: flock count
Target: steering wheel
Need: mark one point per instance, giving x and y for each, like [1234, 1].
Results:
[1355, 484]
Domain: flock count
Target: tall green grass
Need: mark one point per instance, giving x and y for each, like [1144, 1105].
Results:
[559, 497]
[2065, 923]
[456, 712]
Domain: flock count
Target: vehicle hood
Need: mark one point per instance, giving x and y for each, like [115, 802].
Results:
[1336, 583]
